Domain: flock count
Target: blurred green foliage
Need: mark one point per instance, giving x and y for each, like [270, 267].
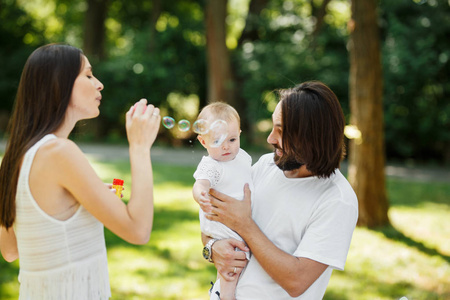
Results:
[156, 58]
[16, 24]
[416, 53]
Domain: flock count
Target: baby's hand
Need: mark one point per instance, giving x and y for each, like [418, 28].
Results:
[205, 203]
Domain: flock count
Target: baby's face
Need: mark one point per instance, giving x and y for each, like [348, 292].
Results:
[229, 148]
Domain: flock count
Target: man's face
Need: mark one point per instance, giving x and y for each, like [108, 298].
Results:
[275, 139]
[275, 136]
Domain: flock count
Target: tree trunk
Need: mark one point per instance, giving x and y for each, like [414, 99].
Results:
[94, 30]
[220, 79]
[366, 154]
[249, 34]
[250, 31]
[154, 16]
[94, 49]
[319, 13]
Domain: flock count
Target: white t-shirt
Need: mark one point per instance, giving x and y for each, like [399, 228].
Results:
[229, 178]
[306, 217]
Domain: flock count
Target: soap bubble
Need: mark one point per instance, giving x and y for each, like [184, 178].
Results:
[218, 132]
[184, 125]
[168, 122]
[201, 126]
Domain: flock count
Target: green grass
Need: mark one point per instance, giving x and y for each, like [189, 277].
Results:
[410, 258]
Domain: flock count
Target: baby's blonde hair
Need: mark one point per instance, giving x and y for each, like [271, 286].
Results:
[219, 110]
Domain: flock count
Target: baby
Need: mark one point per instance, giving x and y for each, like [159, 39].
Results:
[227, 168]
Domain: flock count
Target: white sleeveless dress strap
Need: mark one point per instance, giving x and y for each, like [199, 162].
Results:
[58, 259]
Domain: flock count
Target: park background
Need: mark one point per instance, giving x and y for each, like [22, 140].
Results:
[387, 61]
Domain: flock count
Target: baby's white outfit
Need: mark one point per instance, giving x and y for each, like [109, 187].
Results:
[58, 259]
[229, 178]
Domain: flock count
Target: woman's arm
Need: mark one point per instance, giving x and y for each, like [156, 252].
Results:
[133, 221]
[295, 275]
[8, 244]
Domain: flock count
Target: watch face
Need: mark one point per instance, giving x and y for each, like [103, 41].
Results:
[206, 253]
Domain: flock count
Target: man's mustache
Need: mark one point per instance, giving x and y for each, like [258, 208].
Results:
[275, 146]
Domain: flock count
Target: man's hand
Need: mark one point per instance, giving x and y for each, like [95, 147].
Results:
[233, 213]
[229, 262]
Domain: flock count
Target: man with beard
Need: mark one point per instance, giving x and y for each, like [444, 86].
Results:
[304, 209]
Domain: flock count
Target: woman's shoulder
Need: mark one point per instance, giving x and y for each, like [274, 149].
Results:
[59, 145]
[59, 159]
[58, 149]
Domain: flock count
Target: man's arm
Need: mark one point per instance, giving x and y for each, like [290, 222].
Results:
[8, 244]
[225, 258]
[295, 275]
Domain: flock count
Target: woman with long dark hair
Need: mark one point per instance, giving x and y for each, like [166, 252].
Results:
[53, 206]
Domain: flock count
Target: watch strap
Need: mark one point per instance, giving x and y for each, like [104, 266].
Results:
[209, 247]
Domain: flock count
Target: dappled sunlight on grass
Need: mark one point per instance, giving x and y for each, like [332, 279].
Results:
[9, 285]
[170, 266]
[9, 289]
[417, 194]
[175, 197]
[381, 268]
[410, 258]
[431, 224]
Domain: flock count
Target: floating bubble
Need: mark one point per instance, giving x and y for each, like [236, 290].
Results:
[168, 122]
[201, 126]
[184, 125]
[218, 132]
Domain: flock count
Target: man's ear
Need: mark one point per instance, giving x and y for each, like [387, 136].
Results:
[201, 140]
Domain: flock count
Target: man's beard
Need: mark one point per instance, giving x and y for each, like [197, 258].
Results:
[285, 164]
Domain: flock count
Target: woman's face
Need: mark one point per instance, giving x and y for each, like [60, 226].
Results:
[86, 96]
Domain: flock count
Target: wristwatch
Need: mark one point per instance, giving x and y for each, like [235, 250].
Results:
[207, 252]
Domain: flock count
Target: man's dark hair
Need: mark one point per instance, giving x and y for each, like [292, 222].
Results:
[312, 127]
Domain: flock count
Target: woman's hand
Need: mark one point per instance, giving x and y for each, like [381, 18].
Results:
[229, 262]
[142, 124]
[110, 187]
[8, 244]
